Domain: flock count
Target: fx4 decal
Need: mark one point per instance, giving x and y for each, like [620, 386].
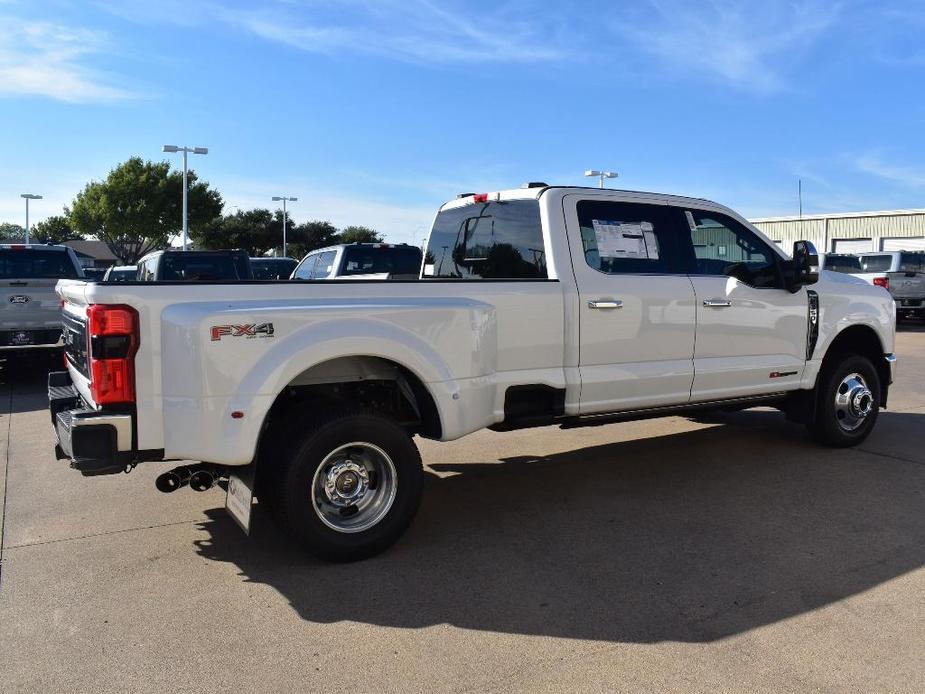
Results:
[249, 330]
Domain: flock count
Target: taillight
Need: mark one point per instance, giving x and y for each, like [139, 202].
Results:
[882, 282]
[112, 337]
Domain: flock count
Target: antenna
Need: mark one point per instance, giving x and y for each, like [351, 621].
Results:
[800, 195]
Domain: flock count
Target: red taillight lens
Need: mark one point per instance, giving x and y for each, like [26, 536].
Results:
[882, 282]
[112, 335]
[112, 381]
[480, 197]
[111, 320]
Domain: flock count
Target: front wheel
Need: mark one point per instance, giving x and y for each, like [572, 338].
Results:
[848, 401]
[348, 488]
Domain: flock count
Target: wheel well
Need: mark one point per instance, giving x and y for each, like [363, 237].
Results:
[361, 381]
[863, 340]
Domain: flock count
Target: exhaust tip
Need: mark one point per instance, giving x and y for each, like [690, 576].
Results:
[201, 481]
[173, 480]
[168, 482]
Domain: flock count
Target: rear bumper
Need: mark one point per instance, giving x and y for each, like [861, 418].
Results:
[95, 442]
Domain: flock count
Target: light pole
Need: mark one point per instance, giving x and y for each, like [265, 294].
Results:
[28, 197]
[277, 198]
[602, 175]
[186, 151]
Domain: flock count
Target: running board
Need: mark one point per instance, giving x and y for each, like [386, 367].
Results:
[592, 420]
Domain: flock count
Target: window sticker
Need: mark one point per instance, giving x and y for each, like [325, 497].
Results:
[625, 239]
[429, 270]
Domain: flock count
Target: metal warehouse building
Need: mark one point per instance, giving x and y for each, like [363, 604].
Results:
[853, 232]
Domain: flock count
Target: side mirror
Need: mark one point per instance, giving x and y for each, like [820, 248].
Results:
[805, 265]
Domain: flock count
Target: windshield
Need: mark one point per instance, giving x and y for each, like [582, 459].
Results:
[843, 263]
[876, 263]
[25, 263]
[373, 260]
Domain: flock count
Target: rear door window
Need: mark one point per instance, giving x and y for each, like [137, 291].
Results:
[489, 241]
[631, 238]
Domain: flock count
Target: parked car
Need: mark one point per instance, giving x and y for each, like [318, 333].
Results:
[902, 273]
[361, 261]
[30, 310]
[840, 262]
[194, 266]
[537, 306]
[121, 273]
[273, 268]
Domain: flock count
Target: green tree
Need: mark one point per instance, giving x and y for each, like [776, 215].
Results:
[257, 231]
[55, 229]
[11, 232]
[357, 234]
[309, 236]
[138, 207]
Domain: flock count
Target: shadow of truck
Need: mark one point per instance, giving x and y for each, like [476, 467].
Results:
[690, 537]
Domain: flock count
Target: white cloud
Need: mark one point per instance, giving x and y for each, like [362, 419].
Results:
[907, 176]
[45, 59]
[418, 31]
[749, 46]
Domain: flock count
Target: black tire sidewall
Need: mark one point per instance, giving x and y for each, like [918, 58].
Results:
[826, 426]
[302, 461]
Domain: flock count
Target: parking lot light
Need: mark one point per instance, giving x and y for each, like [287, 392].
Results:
[28, 197]
[186, 151]
[601, 175]
[284, 199]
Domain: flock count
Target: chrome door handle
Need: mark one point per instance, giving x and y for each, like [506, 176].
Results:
[605, 303]
[717, 303]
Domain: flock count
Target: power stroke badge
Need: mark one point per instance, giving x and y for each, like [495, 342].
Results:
[246, 330]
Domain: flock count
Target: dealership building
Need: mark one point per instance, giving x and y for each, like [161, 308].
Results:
[851, 232]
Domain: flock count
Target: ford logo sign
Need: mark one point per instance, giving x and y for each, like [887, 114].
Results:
[19, 299]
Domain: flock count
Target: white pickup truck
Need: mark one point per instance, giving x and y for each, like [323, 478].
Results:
[536, 306]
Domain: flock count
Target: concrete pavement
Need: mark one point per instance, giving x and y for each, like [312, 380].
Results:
[730, 554]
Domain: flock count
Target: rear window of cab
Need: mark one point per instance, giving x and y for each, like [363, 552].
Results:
[490, 241]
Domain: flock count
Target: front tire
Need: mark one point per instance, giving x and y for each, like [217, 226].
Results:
[848, 401]
[348, 488]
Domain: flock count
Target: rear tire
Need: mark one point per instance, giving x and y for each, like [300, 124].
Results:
[348, 488]
[848, 401]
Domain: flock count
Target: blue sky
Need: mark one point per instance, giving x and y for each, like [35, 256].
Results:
[374, 112]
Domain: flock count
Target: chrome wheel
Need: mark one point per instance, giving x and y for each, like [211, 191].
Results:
[854, 402]
[354, 487]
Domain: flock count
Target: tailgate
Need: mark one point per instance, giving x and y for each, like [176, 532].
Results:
[907, 285]
[30, 313]
[29, 304]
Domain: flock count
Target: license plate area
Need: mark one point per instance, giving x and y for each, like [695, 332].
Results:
[239, 499]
